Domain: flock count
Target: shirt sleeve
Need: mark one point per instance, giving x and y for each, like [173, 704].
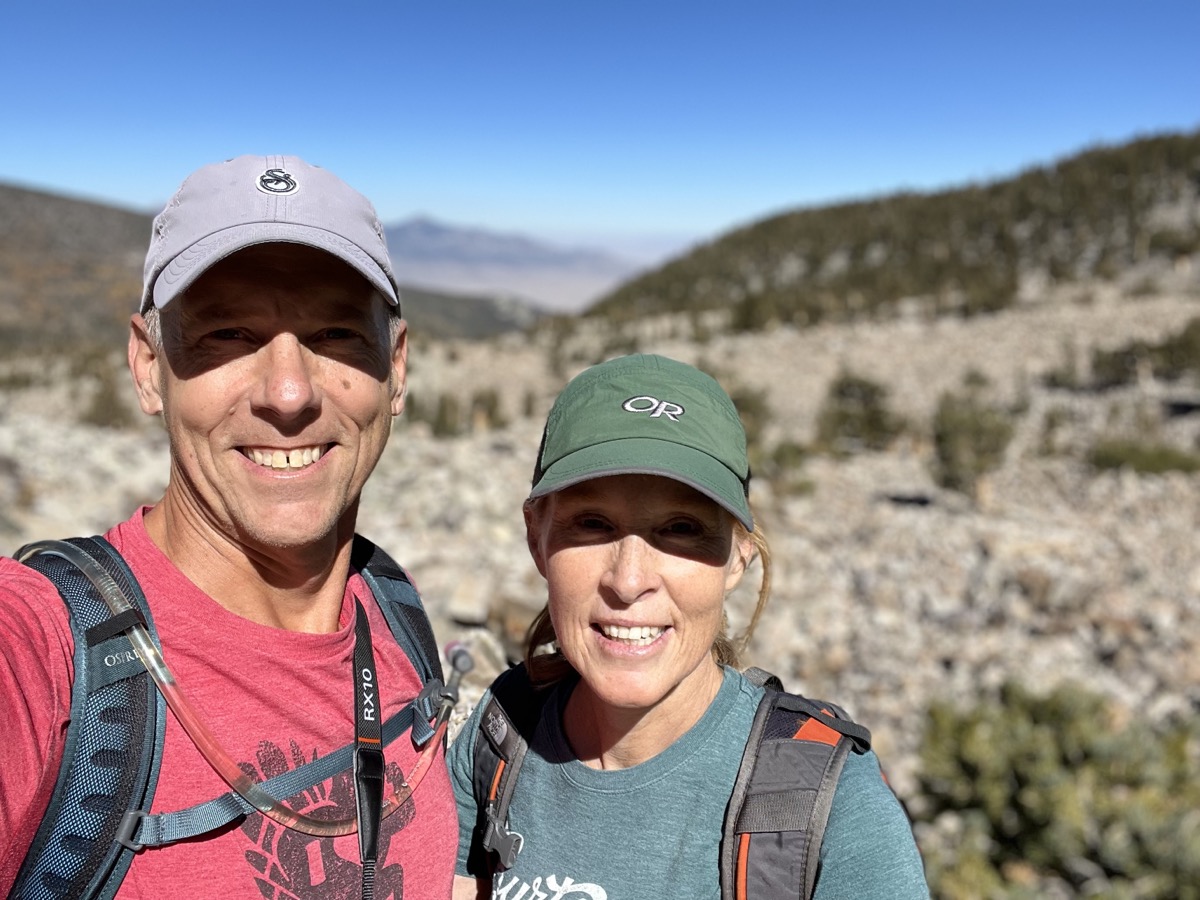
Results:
[869, 850]
[36, 668]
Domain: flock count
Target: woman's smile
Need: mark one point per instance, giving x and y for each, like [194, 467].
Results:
[638, 567]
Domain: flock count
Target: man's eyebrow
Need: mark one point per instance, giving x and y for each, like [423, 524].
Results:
[211, 310]
[339, 310]
[348, 309]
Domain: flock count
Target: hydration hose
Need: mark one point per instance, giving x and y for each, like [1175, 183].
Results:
[189, 718]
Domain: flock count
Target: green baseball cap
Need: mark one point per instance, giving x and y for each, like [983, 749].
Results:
[647, 415]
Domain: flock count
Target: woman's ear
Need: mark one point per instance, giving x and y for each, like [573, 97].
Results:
[741, 554]
[533, 529]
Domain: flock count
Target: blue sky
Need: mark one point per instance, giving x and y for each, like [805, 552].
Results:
[626, 124]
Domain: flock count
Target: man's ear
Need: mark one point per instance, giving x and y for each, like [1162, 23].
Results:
[399, 373]
[145, 363]
[532, 533]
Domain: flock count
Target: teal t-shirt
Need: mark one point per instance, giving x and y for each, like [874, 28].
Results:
[654, 830]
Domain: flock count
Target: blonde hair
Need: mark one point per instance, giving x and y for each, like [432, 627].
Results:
[547, 665]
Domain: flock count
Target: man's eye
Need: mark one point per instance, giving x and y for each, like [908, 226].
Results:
[338, 334]
[227, 334]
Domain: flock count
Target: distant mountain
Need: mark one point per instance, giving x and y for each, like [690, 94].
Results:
[70, 273]
[561, 279]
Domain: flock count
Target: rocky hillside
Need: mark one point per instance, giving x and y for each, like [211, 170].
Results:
[964, 251]
[890, 589]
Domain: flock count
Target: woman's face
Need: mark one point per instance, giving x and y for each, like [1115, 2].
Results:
[637, 568]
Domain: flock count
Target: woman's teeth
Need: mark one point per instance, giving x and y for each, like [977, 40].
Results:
[284, 459]
[639, 634]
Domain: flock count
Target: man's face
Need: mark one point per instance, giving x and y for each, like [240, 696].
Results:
[277, 382]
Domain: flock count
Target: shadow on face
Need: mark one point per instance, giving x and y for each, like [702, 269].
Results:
[669, 516]
[246, 301]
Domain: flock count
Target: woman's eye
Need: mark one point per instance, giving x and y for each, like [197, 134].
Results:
[684, 528]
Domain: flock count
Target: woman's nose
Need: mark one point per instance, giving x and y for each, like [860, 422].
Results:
[633, 569]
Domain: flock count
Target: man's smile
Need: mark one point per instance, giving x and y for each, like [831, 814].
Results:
[274, 458]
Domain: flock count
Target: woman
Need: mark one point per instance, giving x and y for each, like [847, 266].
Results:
[639, 521]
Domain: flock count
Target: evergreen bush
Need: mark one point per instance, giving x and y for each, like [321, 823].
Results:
[855, 416]
[969, 438]
[1063, 794]
[1146, 458]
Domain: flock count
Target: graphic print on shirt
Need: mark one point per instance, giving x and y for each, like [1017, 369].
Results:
[552, 887]
[291, 865]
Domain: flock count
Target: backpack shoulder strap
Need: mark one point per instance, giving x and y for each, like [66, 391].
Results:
[506, 727]
[783, 793]
[398, 599]
[401, 604]
[111, 754]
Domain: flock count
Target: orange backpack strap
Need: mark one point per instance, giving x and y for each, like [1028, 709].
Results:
[783, 793]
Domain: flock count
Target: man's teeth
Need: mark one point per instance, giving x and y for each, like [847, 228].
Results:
[285, 459]
[639, 634]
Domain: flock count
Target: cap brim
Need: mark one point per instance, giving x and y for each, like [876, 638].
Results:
[182, 271]
[648, 456]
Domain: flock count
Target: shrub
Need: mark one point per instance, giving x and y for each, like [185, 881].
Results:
[854, 416]
[1115, 368]
[108, 406]
[1173, 358]
[448, 420]
[1179, 355]
[486, 411]
[1147, 458]
[1174, 243]
[969, 439]
[1033, 794]
[784, 466]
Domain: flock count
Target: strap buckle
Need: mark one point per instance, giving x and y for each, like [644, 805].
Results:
[504, 843]
[434, 698]
[130, 822]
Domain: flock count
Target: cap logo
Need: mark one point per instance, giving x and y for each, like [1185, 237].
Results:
[277, 181]
[654, 407]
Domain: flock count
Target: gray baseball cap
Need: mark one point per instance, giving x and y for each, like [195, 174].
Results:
[225, 207]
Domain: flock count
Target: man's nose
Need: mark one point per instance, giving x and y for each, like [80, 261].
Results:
[286, 379]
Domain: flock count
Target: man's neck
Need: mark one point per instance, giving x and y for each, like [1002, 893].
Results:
[294, 588]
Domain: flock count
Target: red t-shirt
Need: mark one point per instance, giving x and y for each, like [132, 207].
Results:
[273, 699]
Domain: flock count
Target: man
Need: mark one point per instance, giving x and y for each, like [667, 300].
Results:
[270, 341]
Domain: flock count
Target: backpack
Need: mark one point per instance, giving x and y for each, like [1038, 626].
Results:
[98, 815]
[771, 838]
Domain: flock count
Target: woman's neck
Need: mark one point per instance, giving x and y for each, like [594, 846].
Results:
[607, 736]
